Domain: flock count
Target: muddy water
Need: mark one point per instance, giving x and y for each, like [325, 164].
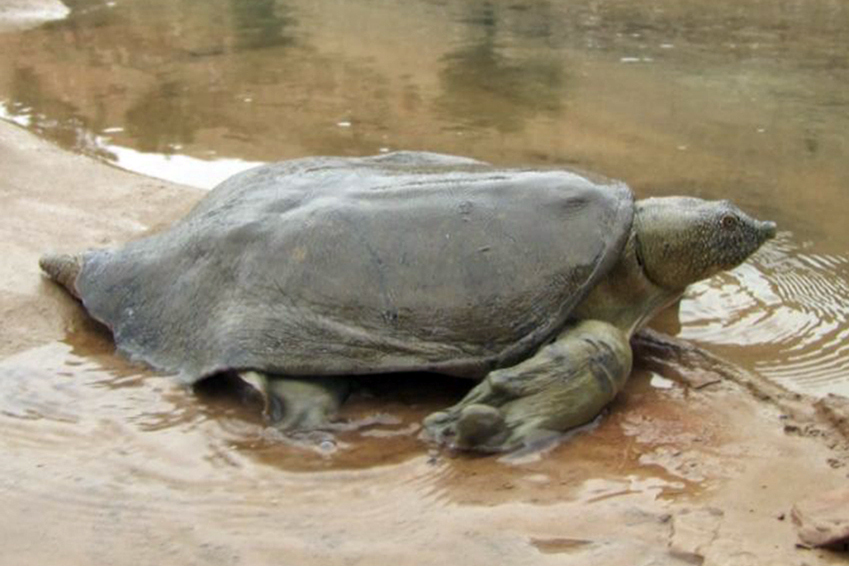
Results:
[740, 100]
[104, 463]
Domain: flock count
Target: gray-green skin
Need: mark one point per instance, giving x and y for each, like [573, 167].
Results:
[301, 274]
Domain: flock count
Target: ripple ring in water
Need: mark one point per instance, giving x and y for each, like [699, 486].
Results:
[790, 303]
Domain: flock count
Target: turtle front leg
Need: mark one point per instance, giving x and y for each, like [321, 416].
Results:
[564, 385]
[299, 404]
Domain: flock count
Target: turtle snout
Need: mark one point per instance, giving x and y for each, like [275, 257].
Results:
[768, 229]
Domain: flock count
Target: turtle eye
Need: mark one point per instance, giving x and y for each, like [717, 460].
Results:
[728, 221]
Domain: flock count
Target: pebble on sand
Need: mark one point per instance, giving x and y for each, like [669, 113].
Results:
[823, 520]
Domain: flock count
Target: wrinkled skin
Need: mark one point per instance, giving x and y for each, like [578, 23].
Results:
[675, 241]
[302, 273]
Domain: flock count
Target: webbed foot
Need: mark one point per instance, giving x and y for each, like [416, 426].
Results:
[563, 386]
[484, 428]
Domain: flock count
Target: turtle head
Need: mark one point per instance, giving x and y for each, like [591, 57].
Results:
[682, 240]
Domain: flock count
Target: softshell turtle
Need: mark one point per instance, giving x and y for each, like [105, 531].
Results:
[300, 274]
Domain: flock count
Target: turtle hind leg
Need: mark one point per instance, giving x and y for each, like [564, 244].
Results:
[564, 385]
[299, 404]
[63, 268]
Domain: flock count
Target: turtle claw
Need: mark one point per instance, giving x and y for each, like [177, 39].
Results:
[439, 427]
[474, 427]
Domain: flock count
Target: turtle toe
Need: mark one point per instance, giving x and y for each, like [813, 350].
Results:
[440, 427]
[480, 427]
[475, 427]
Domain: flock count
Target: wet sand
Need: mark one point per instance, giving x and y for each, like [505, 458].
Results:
[106, 463]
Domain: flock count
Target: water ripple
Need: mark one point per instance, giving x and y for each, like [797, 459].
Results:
[787, 303]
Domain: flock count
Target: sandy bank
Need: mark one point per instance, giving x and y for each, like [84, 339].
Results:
[105, 463]
[54, 200]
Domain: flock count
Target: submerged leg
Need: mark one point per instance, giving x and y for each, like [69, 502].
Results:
[564, 385]
[301, 404]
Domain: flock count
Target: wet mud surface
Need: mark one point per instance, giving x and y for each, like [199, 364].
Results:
[699, 461]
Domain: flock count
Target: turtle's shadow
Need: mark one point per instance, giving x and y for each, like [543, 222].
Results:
[379, 423]
[418, 392]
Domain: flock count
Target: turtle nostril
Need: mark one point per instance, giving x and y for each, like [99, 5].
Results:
[768, 228]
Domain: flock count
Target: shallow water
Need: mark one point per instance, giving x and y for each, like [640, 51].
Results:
[125, 467]
[741, 100]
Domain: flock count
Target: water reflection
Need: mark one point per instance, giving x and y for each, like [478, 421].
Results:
[787, 307]
[485, 88]
[746, 101]
[165, 118]
[55, 118]
[261, 23]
